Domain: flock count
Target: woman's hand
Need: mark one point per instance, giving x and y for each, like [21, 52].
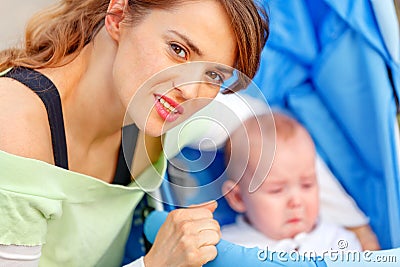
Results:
[187, 238]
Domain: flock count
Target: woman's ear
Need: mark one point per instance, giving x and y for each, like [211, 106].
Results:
[114, 17]
[233, 196]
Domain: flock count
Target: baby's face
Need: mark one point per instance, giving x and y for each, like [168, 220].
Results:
[287, 203]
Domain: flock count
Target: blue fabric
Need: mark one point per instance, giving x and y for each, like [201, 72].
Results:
[214, 171]
[135, 246]
[333, 75]
[230, 254]
[387, 22]
[233, 255]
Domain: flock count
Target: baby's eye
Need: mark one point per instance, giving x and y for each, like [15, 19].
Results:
[276, 190]
[179, 51]
[307, 185]
[215, 77]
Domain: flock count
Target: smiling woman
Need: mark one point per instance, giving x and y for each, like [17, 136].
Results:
[64, 97]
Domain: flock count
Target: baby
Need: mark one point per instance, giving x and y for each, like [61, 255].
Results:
[282, 214]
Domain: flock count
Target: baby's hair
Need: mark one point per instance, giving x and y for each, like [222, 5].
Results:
[257, 136]
[251, 138]
[285, 126]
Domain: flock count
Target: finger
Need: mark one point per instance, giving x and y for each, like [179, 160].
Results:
[196, 226]
[207, 224]
[189, 214]
[211, 205]
[182, 222]
[207, 238]
[207, 253]
[201, 232]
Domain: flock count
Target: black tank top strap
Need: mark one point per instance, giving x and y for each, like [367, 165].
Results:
[48, 93]
[130, 135]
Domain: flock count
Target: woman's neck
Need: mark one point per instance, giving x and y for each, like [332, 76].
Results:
[92, 110]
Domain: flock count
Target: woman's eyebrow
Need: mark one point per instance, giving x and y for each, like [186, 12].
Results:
[188, 42]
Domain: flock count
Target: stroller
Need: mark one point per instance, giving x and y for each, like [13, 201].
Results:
[335, 66]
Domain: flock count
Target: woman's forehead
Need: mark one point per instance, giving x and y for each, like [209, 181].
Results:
[203, 25]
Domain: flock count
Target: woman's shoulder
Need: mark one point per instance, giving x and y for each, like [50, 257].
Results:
[24, 128]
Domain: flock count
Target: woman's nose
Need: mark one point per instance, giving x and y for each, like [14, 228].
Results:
[191, 77]
[190, 90]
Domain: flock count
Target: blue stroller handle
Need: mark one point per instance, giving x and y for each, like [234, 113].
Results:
[230, 254]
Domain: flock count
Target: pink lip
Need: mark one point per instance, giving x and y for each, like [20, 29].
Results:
[164, 113]
[294, 220]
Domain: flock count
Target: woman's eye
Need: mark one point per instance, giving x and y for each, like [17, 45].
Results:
[215, 77]
[179, 51]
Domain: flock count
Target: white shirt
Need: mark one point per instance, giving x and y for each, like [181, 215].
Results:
[324, 237]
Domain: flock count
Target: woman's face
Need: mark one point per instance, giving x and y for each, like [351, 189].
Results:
[156, 94]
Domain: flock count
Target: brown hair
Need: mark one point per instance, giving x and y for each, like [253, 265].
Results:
[67, 27]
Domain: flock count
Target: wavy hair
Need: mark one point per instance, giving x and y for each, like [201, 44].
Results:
[67, 27]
